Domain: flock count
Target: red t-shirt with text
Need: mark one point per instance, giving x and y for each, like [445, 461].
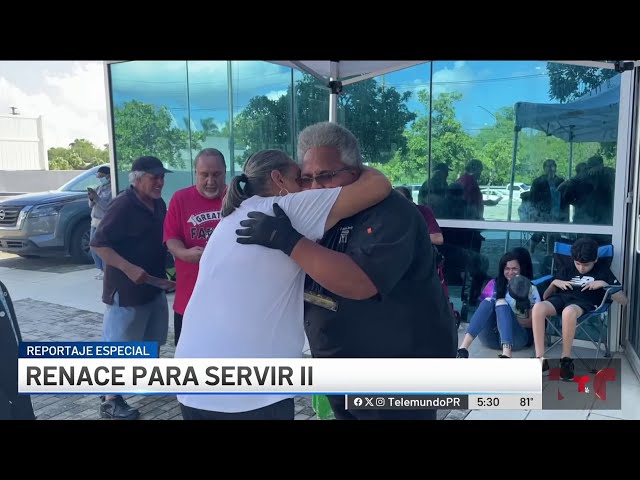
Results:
[190, 218]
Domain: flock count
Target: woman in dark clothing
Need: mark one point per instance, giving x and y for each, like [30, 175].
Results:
[12, 405]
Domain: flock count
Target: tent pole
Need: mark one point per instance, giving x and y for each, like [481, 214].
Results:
[336, 88]
[513, 171]
[232, 147]
[430, 122]
[570, 150]
[513, 176]
[333, 107]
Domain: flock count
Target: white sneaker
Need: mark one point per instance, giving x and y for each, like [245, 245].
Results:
[100, 276]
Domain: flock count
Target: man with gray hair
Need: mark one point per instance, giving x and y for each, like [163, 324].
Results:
[405, 313]
[129, 241]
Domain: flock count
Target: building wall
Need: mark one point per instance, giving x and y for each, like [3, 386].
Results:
[25, 181]
[22, 143]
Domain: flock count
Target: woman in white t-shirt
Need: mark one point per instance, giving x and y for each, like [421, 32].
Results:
[499, 321]
[248, 300]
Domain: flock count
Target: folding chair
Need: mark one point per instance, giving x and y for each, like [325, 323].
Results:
[599, 316]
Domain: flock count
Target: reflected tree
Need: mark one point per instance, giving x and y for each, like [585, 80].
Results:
[145, 129]
[569, 82]
[376, 115]
[450, 143]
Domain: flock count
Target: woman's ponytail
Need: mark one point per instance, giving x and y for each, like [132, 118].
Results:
[236, 194]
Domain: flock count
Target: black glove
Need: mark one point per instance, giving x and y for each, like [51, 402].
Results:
[271, 232]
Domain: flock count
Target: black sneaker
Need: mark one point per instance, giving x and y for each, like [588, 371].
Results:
[503, 356]
[545, 368]
[462, 353]
[118, 409]
[566, 369]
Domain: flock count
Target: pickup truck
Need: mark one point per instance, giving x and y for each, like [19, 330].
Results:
[50, 224]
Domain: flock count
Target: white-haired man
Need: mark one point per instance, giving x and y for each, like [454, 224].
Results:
[129, 241]
[402, 312]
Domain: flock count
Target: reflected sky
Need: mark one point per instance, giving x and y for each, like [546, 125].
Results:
[486, 86]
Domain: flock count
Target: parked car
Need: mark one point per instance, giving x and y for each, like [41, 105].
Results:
[519, 187]
[415, 189]
[491, 195]
[50, 224]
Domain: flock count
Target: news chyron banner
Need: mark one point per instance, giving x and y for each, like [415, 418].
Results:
[134, 368]
[380, 383]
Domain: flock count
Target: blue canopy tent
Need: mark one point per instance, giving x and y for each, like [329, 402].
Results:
[591, 118]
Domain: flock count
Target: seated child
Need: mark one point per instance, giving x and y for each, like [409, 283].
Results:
[575, 291]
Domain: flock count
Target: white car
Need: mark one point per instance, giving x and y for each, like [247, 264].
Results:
[519, 187]
[415, 189]
[491, 195]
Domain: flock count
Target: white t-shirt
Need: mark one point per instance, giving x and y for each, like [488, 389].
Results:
[248, 299]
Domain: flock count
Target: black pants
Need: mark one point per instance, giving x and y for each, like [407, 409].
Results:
[282, 410]
[177, 327]
[337, 405]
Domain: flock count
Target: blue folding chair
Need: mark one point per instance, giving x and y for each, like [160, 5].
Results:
[599, 316]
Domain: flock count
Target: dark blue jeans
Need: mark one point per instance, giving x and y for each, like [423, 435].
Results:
[497, 326]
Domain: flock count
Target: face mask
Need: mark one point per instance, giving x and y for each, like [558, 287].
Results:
[103, 180]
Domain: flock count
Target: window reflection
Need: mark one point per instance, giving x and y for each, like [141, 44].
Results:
[497, 141]
[151, 117]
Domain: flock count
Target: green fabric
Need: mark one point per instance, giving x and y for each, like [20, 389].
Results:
[321, 406]
[171, 274]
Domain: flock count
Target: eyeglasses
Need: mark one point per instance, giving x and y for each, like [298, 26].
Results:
[321, 178]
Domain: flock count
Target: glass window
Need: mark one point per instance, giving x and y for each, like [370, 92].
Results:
[445, 129]
[82, 181]
[209, 111]
[262, 107]
[151, 117]
[564, 119]
[310, 102]
[389, 116]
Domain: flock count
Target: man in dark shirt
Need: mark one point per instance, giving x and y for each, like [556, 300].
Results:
[129, 240]
[407, 314]
[546, 201]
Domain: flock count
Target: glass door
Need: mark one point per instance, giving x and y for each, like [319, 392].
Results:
[632, 278]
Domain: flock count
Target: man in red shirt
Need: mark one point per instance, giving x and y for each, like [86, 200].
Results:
[472, 194]
[192, 215]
